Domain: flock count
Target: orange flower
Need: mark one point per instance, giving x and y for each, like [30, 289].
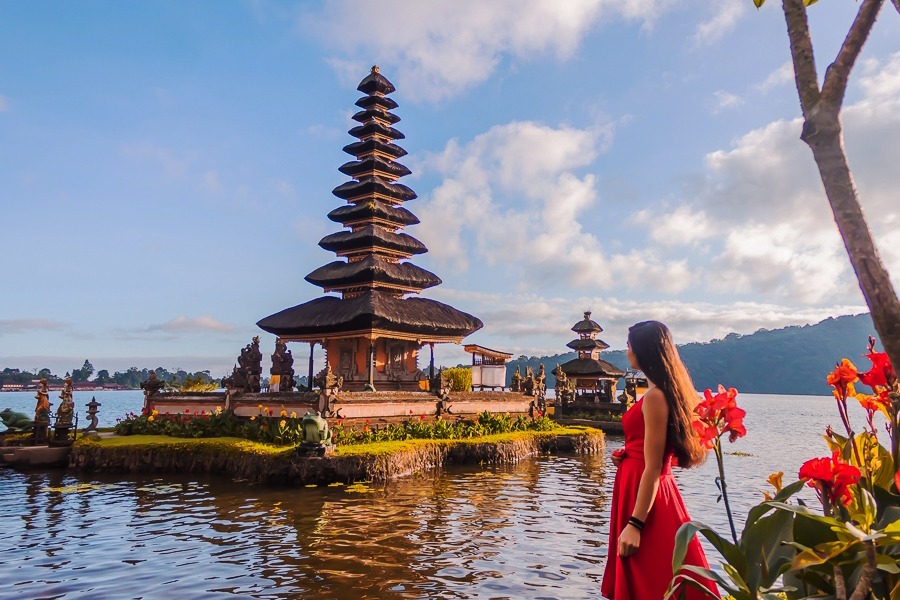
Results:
[844, 373]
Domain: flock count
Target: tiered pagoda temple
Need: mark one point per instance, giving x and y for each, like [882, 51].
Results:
[372, 334]
[592, 375]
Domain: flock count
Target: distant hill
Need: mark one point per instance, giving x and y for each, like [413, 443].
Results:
[793, 360]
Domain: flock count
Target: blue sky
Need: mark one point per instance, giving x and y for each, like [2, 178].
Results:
[166, 168]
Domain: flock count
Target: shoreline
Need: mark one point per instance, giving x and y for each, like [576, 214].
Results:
[258, 463]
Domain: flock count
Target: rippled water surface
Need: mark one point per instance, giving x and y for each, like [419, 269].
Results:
[534, 530]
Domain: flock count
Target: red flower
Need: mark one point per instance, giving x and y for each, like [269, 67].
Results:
[202, 412]
[831, 476]
[367, 421]
[410, 411]
[881, 374]
[718, 415]
[423, 417]
[707, 434]
[897, 480]
[271, 413]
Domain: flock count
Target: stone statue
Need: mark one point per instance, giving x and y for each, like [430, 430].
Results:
[245, 377]
[92, 415]
[315, 429]
[316, 436]
[282, 370]
[42, 410]
[66, 407]
[254, 365]
[326, 381]
[528, 382]
[440, 385]
[540, 383]
[151, 386]
[564, 389]
[15, 422]
[516, 384]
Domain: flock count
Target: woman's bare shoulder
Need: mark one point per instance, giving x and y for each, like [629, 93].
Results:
[655, 402]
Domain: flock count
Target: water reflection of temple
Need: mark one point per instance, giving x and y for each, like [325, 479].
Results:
[372, 334]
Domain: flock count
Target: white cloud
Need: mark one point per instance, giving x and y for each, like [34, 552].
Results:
[13, 326]
[780, 76]
[183, 324]
[723, 21]
[4, 105]
[437, 49]
[723, 100]
[540, 325]
[775, 232]
[512, 196]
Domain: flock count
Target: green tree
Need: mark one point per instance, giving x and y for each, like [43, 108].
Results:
[84, 373]
[103, 376]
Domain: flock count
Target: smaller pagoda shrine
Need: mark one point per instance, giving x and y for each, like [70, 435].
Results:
[594, 378]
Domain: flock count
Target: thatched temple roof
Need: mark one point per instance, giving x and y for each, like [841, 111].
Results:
[590, 367]
[371, 311]
[587, 345]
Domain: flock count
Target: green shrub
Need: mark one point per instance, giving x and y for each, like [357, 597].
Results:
[460, 378]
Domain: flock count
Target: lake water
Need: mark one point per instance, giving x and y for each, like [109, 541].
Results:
[531, 531]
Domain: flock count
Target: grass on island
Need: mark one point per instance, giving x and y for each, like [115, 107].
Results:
[231, 444]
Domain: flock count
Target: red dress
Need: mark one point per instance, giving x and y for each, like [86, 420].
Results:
[645, 575]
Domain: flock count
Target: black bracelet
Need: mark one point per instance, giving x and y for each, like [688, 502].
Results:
[638, 524]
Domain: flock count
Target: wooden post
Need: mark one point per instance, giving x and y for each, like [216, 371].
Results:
[431, 366]
[309, 382]
[372, 363]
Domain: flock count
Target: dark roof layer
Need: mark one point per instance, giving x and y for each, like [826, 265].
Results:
[586, 325]
[374, 83]
[591, 367]
[372, 269]
[372, 310]
[376, 102]
[373, 185]
[374, 113]
[587, 344]
[370, 210]
[369, 236]
[361, 131]
[357, 148]
[367, 166]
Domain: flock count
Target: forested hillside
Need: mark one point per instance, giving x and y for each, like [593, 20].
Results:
[793, 360]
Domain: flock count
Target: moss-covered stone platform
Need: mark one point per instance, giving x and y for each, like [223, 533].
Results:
[260, 463]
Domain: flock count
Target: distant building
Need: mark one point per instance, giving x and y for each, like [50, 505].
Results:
[11, 386]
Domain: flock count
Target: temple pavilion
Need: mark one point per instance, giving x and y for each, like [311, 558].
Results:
[372, 333]
[592, 375]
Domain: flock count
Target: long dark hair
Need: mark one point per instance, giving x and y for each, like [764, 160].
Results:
[656, 355]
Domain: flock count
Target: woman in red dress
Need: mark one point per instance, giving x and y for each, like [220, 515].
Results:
[647, 508]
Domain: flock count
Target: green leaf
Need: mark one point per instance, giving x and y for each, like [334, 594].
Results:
[820, 554]
[888, 563]
[730, 552]
[763, 546]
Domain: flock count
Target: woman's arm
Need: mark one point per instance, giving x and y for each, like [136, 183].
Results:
[656, 414]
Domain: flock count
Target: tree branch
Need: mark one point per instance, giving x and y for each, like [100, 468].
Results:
[802, 56]
[839, 71]
[868, 574]
[896, 5]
